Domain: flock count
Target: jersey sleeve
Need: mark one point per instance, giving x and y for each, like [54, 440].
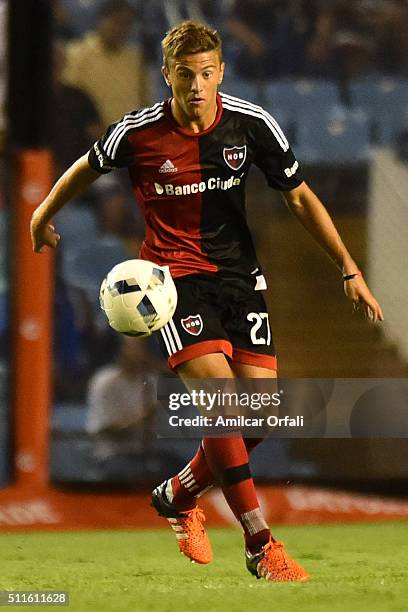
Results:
[273, 154]
[113, 150]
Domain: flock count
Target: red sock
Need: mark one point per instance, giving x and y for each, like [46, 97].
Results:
[227, 458]
[191, 482]
[196, 478]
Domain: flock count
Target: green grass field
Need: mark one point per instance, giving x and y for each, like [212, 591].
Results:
[354, 568]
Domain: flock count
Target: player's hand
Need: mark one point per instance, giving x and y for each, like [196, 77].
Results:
[42, 235]
[358, 292]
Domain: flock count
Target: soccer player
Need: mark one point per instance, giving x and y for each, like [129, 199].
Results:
[188, 158]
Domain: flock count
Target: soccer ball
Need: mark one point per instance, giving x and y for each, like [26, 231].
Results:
[138, 297]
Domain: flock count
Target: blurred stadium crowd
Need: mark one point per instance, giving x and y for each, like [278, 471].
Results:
[266, 38]
[324, 68]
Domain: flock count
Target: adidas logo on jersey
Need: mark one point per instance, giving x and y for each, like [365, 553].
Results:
[168, 166]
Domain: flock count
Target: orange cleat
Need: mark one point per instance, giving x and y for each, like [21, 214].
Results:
[273, 563]
[188, 526]
[191, 537]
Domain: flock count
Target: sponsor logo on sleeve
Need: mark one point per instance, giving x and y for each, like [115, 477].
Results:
[292, 170]
[101, 158]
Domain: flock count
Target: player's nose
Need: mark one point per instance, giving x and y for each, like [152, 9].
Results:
[196, 84]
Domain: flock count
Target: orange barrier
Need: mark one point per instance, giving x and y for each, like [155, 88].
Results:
[29, 508]
[31, 322]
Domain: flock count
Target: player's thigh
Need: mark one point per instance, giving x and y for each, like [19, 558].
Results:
[245, 370]
[204, 374]
[203, 370]
[254, 379]
[214, 365]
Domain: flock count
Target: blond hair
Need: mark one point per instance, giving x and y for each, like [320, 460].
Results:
[190, 37]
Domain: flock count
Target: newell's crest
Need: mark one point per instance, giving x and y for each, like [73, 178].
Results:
[235, 157]
[193, 324]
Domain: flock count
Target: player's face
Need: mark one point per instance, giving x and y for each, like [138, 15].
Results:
[194, 80]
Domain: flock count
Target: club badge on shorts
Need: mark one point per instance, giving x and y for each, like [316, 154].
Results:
[193, 324]
[235, 157]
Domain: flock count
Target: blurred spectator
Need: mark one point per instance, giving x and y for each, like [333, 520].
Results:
[269, 36]
[73, 341]
[122, 407]
[73, 18]
[63, 29]
[402, 146]
[117, 214]
[353, 39]
[75, 122]
[104, 66]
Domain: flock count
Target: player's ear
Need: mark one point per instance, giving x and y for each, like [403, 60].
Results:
[166, 75]
[220, 78]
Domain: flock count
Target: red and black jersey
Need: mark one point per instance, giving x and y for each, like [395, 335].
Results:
[191, 186]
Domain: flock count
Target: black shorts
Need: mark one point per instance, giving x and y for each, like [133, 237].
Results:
[214, 315]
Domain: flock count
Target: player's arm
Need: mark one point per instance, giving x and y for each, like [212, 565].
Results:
[111, 151]
[71, 184]
[310, 211]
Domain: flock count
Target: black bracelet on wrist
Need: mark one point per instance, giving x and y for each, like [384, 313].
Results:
[347, 277]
